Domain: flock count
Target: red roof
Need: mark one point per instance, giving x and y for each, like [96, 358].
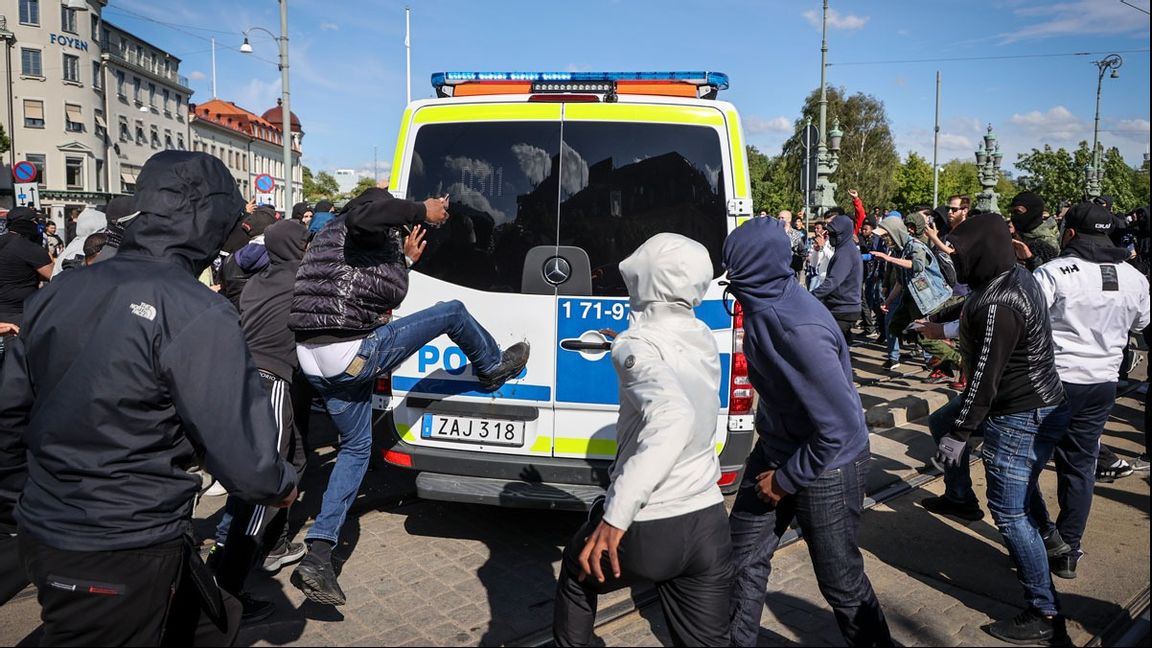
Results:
[275, 116]
[235, 118]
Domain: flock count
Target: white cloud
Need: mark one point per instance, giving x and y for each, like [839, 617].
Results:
[575, 175]
[758, 125]
[197, 75]
[1076, 17]
[1057, 124]
[329, 26]
[258, 96]
[836, 20]
[534, 162]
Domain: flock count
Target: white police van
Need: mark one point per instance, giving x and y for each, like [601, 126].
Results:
[554, 178]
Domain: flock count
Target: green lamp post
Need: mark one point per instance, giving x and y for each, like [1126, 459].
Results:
[988, 159]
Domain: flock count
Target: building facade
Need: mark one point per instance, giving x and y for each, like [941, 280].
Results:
[250, 145]
[87, 102]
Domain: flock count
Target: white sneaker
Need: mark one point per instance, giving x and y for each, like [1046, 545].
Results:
[216, 490]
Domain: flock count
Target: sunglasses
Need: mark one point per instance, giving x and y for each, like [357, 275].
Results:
[952, 209]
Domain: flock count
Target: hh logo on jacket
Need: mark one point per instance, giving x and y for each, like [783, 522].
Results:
[147, 311]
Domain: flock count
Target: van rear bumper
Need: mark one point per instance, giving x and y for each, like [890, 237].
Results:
[506, 493]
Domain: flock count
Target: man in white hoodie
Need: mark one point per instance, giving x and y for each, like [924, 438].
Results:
[89, 222]
[663, 519]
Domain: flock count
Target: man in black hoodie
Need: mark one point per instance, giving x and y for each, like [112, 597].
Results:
[840, 290]
[111, 429]
[1012, 397]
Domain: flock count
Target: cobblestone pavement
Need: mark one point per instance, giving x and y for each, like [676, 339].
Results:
[432, 573]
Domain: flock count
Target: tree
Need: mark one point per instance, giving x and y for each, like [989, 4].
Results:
[868, 158]
[913, 182]
[5, 143]
[321, 185]
[772, 189]
[1060, 175]
[361, 186]
[960, 178]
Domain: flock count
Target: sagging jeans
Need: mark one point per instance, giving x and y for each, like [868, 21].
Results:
[829, 515]
[1016, 449]
[348, 397]
[958, 478]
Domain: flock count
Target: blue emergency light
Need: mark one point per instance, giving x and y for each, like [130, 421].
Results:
[716, 80]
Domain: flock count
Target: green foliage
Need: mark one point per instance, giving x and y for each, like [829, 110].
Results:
[361, 186]
[1059, 175]
[913, 183]
[5, 143]
[868, 158]
[320, 185]
[772, 189]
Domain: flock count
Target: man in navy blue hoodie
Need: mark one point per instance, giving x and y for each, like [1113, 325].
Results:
[811, 458]
[840, 290]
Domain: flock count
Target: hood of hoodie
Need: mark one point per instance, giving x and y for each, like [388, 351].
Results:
[668, 270]
[840, 230]
[917, 220]
[90, 221]
[188, 204]
[894, 225]
[983, 249]
[758, 257]
[286, 242]
[299, 209]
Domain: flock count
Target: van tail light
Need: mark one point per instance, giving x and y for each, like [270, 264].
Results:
[384, 385]
[398, 458]
[740, 389]
[727, 478]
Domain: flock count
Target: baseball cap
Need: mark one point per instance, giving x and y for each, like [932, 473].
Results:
[1089, 219]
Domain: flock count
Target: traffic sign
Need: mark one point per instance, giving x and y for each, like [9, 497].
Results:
[265, 199]
[27, 194]
[24, 171]
[264, 183]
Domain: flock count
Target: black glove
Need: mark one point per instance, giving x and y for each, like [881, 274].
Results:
[951, 450]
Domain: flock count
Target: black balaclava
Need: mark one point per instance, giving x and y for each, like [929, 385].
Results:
[983, 249]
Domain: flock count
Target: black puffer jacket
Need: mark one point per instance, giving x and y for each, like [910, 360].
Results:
[354, 272]
[1005, 331]
[125, 370]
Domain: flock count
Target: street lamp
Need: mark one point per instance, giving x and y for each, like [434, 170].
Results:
[9, 39]
[988, 159]
[828, 150]
[1094, 174]
[285, 106]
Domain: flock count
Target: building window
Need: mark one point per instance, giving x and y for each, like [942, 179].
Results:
[244, 162]
[136, 88]
[41, 163]
[71, 68]
[74, 173]
[101, 125]
[125, 132]
[140, 139]
[95, 28]
[179, 100]
[180, 141]
[67, 19]
[97, 82]
[230, 160]
[168, 139]
[155, 137]
[30, 12]
[33, 113]
[166, 98]
[139, 55]
[73, 119]
[30, 63]
[152, 94]
[120, 83]
[99, 175]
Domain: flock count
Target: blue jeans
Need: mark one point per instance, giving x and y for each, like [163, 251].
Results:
[1016, 449]
[829, 515]
[957, 479]
[348, 397]
[1087, 407]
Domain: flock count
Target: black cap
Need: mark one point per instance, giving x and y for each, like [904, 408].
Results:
[1105, 201]
[1089, 219]
[22, 213]
[323, 206]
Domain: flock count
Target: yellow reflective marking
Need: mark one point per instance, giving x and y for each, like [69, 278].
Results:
[542, 445]
[742, 219]
[486, 112]
[585, 447]
[405, 432]
[699, 115]
[401, 141]
[739, 158]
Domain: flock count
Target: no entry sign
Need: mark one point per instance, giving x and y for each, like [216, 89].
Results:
[264, 183]
[24, 171]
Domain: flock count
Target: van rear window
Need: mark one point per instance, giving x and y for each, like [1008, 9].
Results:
[606, 188]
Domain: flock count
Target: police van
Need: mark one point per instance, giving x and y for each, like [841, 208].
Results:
[553, 179]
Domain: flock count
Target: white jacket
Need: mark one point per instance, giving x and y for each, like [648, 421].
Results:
[669, 374]
[88, 222]
[1091, 318]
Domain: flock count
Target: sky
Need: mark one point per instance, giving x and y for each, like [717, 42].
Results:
[1002, 62]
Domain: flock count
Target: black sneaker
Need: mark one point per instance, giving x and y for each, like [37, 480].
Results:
[1109, 474]
[970, 511]
[512, 362]
[255, 610]
[891, 365]
[317, 579]
[1064, 565]
[283, 555]
[1030, 627]
[1055, 545]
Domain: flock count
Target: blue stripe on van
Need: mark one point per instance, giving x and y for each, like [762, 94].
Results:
[712, 313]
[470, 388]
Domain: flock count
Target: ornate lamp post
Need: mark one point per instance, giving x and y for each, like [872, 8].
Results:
[988, 160]
[1094, 173]
[828, 150]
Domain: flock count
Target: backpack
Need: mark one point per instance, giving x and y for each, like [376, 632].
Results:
[947, 268]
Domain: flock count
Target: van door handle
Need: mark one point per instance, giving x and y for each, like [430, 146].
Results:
[577, 345]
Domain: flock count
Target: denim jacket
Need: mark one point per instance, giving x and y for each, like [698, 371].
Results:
[928, 288]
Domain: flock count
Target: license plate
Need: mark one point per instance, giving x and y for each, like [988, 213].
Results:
[472, 430]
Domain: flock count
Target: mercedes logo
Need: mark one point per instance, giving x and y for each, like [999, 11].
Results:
[557, 270]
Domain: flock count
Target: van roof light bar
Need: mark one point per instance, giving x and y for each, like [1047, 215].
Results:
[707, 84]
